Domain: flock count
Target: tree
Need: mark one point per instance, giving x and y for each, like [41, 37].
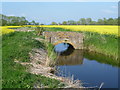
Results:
[78, 22]
[13, 20]
[71, 22]
[64, 23]
[33, 22]
[88, 21]
[105, 21]
[36, 23]
[93, 23]
[100, 22]
[116, 21]
[110, 21]
[54, 23]
[83, 21]
[3, 22]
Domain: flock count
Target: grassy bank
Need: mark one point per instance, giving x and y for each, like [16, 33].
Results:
[101, 58]
[104, 44]
[100, 43]
[51, 60]
[16, 47]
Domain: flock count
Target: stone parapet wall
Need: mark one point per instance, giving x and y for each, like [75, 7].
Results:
[73, 38]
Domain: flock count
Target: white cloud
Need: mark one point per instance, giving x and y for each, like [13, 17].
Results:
[23, 14]
[16, 15]
[10, 15]
[115, 7]
[109, 11]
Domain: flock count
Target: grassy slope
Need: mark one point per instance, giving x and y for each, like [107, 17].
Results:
[101, 58]
[104, 44]
[16, 46]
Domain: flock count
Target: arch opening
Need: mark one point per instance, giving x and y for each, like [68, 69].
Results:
[64, 49]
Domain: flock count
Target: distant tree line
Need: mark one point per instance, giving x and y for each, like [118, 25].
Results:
[89, 21]
[14, 21]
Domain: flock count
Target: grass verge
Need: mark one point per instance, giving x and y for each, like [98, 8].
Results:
[16, 46]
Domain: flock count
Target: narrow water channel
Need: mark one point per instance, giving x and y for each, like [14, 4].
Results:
[89, 67]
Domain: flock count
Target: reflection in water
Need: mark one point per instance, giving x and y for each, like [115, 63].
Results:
[101, 58]
[69, 55]
[64, 49]
[61, 47]
[75, 58]
[90, 67]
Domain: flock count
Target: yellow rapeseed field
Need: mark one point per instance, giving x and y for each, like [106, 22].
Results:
[101, 29]
[105, 29]
[5, 30]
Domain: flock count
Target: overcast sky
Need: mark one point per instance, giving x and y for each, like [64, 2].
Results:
[46, 12]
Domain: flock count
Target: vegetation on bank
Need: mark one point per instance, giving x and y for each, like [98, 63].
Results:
[16, 47]
[101, 58]
[104, 44]
[100, 43]
[51, 60]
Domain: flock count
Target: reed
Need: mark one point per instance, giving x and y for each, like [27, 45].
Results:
[51, 58]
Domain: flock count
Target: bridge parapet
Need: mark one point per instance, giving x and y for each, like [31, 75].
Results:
[73, 38]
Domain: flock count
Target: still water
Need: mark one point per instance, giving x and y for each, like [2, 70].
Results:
[89, 67]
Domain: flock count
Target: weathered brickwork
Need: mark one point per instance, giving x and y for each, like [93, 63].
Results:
[73, 38]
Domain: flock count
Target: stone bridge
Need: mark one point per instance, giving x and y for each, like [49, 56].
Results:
[73, 38]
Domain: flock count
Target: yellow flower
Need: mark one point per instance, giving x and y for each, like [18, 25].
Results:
[5, 30]
[101, 29]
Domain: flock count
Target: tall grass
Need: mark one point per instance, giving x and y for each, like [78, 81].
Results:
[104, 44]
[51, 59]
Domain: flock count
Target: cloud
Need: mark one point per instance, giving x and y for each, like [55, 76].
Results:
[109, 11]
[10, 15]
[115, 7]
[23, 14]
